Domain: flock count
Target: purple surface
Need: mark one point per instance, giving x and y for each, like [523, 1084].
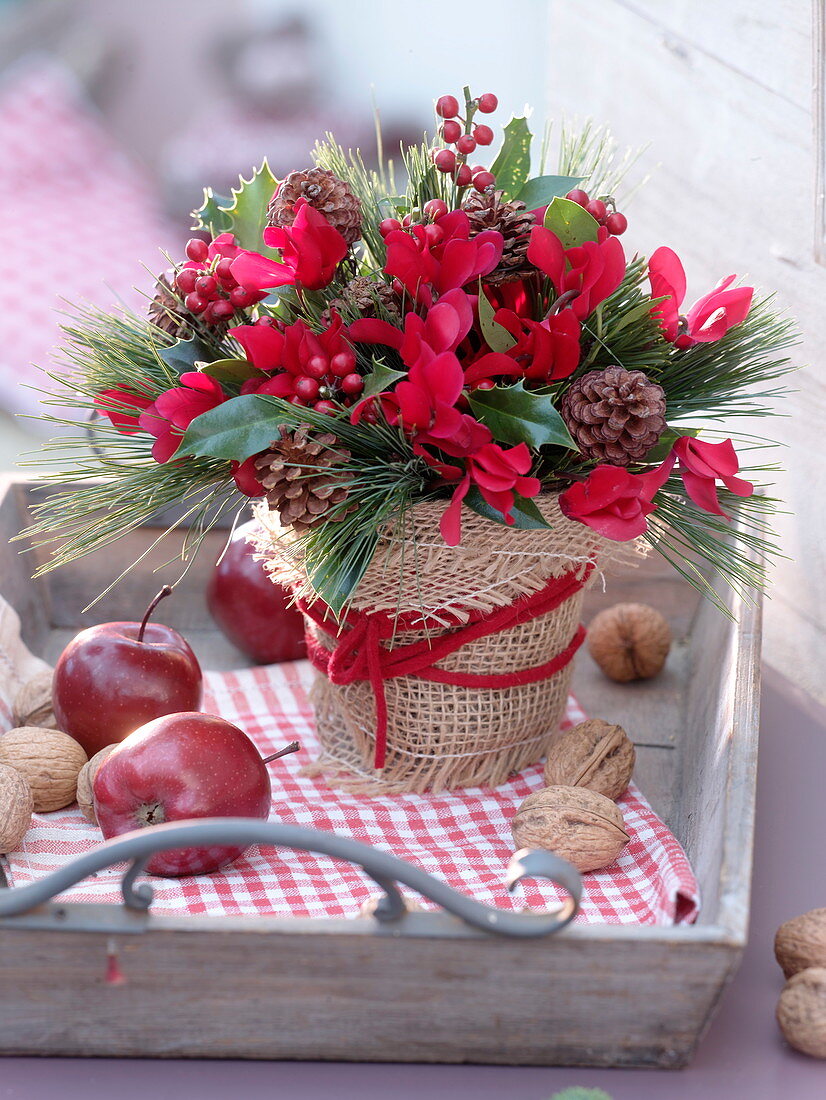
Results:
[743, 1048]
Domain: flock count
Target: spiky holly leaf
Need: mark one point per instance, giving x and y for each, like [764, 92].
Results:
[544, 189]
[244, 214]
[235, 429]
[525, 514]
[517, 415]
[513, 163]
[570, 222]
[380, 378]
[183, 355]
[496, 337]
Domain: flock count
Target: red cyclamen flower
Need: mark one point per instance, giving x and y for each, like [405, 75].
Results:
[702, 464]
[544, 350]
[499, 474]
[614, 502]
[123, 407]
[594, 269]
[172, 413]
[311, 250]
[709, 318]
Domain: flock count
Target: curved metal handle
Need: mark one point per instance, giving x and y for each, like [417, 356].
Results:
[385, 869]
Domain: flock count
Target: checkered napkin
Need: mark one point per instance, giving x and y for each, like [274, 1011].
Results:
[462, 837]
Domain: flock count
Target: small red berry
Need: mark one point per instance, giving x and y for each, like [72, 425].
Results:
[435, 209]
[197, 250]
[483, 180]
[222, 309]
[451, 131]
[316, 367]
[222, 270]
[597, 209]
[616, 223]
[295, 400]
[407, 220]
[352, 384]
[466, 144]
[464, 175]
[485, 384]
[306, 388]
[433, 235]
[447, 106]
[241, 298]
[206, 286]
[343, 363]
[487, 103]
[325, 407]
[185, 280]
[388, 225]
[483, 134]
[582, 198]
[445, 160]
[266, 321]
[195, 303]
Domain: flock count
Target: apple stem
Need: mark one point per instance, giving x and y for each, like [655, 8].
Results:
[164, 592]
[292, 747]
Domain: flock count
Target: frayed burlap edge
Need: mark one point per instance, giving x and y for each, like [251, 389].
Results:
[440, 736]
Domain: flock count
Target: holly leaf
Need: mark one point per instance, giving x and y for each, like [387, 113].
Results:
[513, 163]
[542, 190]
[662, 448]
[183, 355]
[230, 370]
[235, 429]
[525, 514]
[380, 378]
[570, 222]
[496, 337]
[517, 415]
[212, 214]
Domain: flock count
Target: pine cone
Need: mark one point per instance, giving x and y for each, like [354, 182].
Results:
[326, 192]
[298, 474]
[165, 310]
[513, 221]
[363, 297]
[615, 415]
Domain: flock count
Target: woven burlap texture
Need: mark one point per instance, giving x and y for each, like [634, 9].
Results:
[440, 736]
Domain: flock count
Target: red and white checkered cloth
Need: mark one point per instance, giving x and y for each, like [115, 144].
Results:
[80, 221]
[463, 837]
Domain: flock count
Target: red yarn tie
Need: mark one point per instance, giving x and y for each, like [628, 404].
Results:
[360, 656]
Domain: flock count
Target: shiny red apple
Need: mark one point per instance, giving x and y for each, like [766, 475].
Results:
[178, 767]
[251, 609]
[113, 678]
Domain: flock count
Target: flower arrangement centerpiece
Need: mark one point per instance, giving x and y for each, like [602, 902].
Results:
[453, 402]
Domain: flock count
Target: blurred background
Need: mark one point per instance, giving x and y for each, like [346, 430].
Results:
[113, 116]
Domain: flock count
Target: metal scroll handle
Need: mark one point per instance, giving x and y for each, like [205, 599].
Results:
[386, 870]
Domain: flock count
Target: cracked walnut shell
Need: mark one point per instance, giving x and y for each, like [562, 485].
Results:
[595, 754]
[801, 1011]
[583, 827]
[801, 942]
[33, 702]
[49, 760]
[16, 807]
[629, 641]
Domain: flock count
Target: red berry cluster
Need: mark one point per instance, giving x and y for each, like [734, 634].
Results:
[208, 287]
[603, 210]
[315, 379]
[465, 140]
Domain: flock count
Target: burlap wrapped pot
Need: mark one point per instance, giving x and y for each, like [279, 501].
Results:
[443, 736]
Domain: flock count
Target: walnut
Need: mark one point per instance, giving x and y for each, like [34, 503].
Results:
[629, 641]
[33, 703]
[801, 1011]
[583, 827]
[595, 754]
[801, 942]
[49, 760]
[16, 807]
[85, 779]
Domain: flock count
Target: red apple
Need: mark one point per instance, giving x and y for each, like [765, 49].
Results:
[113, 678]
[251, 609]
[178, 767]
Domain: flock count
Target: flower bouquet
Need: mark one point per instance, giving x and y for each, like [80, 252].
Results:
[453, 401]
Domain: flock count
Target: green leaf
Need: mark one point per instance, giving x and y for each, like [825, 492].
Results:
[235, 429]
[517, 415]
[381, 378]
[570, 222]
[513, 164]
[183, 355]
[525, 514]
[543, 189]
[496, 337]
[230, 370]
[662, 448]
[212, 214]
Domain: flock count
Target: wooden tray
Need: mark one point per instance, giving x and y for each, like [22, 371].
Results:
[426, 988]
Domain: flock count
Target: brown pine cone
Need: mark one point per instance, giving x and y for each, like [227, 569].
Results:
[166, 311]
[615, 415]
[299, 476]
[326, 192]
[363, 297]
[513, 221]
